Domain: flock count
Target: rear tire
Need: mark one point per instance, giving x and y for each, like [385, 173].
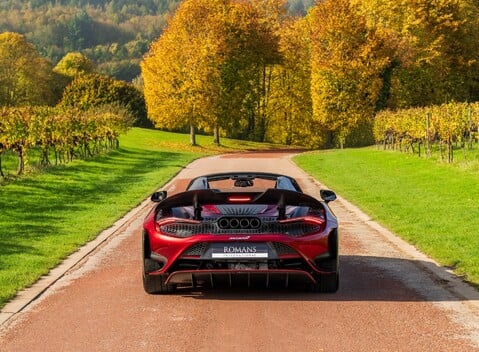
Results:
[327, 283]
[156, 284]
[153, 283]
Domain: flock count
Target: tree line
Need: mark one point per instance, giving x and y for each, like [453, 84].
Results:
[248, 69]
[114, 34]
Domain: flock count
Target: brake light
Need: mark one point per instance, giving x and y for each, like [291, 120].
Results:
[304, 225]
[210, 208]
[239, 199]
[306, 219]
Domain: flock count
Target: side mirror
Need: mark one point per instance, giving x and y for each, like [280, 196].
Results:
[158, 196]
[327, 195]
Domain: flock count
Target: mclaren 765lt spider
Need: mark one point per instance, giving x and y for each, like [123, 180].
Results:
[241, 228]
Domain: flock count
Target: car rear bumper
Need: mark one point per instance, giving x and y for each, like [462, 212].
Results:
[266, 278]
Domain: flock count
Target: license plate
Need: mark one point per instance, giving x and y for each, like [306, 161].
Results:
[239, 251]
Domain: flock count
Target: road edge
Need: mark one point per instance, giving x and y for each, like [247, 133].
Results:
[27, 296]
[447, 278]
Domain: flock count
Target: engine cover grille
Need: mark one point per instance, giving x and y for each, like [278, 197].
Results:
[240, 225]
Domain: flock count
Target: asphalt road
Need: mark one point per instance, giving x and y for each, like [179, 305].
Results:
[391, 297]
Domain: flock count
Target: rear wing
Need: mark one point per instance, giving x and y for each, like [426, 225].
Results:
[279, 197]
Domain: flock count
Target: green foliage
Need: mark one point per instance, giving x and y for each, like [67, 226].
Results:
[95, 90]
[73, 64]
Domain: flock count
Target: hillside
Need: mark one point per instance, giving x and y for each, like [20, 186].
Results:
[114, 34]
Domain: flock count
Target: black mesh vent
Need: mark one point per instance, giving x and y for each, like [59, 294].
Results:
[197, 249]
[282, 249]
[268, 226]
[293, 229]
[179, 229]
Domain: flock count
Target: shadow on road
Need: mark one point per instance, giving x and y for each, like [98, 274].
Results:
[363, 278]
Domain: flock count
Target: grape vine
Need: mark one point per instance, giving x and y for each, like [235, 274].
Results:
[59, 133]
[419, 130]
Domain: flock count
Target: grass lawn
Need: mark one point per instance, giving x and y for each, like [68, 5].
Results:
[432, 205]
[46, 216]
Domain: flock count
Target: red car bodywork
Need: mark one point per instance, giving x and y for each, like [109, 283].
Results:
[271, 236]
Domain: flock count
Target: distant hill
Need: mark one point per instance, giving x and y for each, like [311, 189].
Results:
[114, 34]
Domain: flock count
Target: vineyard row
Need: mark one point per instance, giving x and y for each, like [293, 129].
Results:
[63, 133]
[417, 130]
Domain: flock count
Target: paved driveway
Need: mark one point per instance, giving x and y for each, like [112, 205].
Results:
[391, 297]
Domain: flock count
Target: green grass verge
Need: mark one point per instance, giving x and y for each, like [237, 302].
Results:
[46, 216]
[431, 205]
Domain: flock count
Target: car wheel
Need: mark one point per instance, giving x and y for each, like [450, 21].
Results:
[156, 284]
[153, 283]
[327, 283]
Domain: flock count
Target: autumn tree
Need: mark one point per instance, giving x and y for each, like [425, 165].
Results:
[177, 71]
[438, 43]
[262, 53]
[73, 64]
[290, 108]
[445, 40]
[206, 69]
[94, 90]
[347, 62]
[25, 77]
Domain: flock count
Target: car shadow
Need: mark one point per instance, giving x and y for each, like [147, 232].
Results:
[363, 278]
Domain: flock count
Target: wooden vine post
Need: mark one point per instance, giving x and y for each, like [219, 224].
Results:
[469, 116]
[428, 137]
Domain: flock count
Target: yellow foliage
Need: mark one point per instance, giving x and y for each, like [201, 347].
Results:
[348, 59]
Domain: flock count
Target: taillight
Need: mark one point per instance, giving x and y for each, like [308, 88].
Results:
[303, 226]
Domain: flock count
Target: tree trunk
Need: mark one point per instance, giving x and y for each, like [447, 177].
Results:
[428, 136]
[21, 161]
[1, 170]
[216, 135]
[192, 135]
[45, 160]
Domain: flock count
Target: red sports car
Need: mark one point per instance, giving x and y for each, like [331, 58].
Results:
[245, 228]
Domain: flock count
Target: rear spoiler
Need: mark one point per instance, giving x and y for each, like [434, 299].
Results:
[271, 196]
